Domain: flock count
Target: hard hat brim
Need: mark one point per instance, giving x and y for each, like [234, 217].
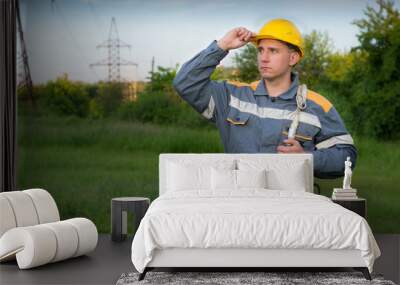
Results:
[256, 39]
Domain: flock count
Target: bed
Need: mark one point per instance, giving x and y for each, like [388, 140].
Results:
[247, 210]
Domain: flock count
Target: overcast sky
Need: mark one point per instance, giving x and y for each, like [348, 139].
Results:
[62, 35]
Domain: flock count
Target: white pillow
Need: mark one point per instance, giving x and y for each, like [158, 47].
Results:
[251, 178]
[282, 174]
[288, 180]
[189, 175]
[223, 179]
[226, 179]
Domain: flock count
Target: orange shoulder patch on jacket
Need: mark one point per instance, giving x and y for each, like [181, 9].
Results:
[252, 85]
[320, 100]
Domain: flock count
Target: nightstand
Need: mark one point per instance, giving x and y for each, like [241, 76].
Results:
[358, 205]
[119, 208]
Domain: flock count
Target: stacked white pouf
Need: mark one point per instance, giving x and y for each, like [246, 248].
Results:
[31, 230]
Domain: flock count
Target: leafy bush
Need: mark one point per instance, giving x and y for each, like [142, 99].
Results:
[65, 98]
[317, 50]
[246, 63]
[374, 84]
[160, 104]
[108, 99]
[153, 107]
[157, 108]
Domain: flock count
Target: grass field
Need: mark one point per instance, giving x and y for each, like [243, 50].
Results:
[85, 163]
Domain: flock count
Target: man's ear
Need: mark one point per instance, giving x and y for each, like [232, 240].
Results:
[294, 58]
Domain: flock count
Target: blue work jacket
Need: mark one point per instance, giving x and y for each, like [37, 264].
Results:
[251, 121]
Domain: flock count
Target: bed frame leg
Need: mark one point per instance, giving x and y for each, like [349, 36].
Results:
[364, 271]
[143, 274]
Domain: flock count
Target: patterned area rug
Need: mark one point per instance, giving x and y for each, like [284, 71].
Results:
[275, 278]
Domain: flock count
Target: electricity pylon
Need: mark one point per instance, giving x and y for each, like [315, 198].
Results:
[113, 61]
[24, 78]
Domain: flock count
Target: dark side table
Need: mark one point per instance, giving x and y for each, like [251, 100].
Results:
[358, 205]
[119, 214]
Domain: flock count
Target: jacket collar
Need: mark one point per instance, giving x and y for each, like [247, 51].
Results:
[287, 95]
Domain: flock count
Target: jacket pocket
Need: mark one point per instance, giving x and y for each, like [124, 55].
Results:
[306, 132]
[236, 117]
[305, 135]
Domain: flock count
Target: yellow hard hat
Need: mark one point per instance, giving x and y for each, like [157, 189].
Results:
[281, 29]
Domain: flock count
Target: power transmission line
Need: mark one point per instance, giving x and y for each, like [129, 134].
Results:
[113, 61]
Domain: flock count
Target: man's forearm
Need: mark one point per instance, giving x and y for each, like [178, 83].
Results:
[329, 162]
[198, 70]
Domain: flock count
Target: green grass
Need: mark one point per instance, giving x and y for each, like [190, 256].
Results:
[85, 163]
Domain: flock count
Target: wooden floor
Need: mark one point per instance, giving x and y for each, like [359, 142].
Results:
[110, 260]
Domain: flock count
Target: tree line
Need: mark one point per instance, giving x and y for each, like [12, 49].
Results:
[362, 83]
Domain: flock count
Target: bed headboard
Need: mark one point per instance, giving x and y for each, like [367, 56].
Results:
[271, 158]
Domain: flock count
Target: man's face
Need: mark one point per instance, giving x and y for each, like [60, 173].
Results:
[275, 59]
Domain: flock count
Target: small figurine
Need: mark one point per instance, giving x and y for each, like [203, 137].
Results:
[347, 174]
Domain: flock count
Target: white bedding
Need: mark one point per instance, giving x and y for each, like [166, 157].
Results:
[251, 218]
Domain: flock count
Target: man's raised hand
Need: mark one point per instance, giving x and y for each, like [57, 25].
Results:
[235, 38]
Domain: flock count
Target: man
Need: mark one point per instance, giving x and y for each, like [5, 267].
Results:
[259, 117]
